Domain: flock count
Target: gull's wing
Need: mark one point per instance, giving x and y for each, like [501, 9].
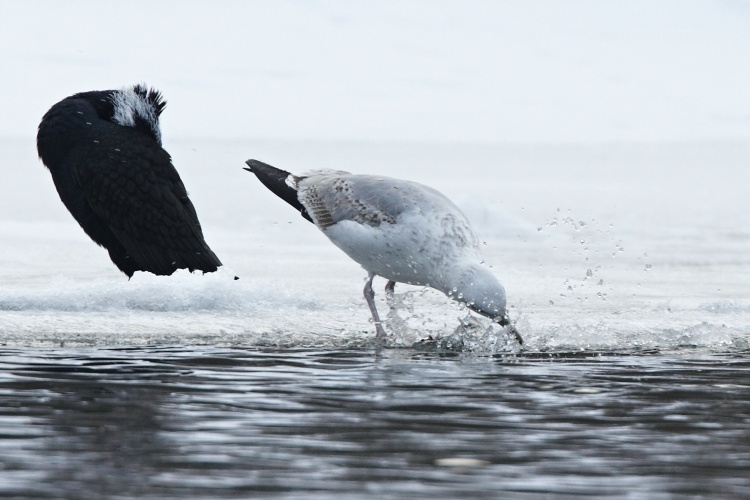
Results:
[331, 197]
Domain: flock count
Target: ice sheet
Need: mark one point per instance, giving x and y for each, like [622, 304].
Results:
[599, 247]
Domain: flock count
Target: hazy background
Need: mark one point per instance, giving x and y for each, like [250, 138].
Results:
[477, 71]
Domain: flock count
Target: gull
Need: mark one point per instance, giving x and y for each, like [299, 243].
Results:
[399, 230]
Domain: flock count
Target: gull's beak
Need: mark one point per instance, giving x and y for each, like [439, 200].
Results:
[505, 321]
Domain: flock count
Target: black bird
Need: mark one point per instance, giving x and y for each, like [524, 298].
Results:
[103, 149]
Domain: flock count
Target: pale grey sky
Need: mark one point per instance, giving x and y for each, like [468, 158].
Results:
[487, 71]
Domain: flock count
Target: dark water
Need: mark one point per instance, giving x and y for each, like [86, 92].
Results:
[199, 422]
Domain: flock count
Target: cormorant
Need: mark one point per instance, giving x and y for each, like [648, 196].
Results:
[104, 151]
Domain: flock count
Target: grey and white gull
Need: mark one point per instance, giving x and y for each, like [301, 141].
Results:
[399, 230]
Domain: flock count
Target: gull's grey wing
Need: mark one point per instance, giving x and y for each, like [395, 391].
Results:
[366, 199]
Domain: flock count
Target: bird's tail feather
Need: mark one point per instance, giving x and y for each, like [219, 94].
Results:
[275, 180]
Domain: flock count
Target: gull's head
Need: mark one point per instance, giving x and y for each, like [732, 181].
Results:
[480, 290]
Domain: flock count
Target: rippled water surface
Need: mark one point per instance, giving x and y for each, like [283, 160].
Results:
[166, 422]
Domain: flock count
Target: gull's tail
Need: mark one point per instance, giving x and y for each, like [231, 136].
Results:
[280, 182]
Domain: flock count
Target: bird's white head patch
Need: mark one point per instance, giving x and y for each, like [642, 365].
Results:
[139, 106]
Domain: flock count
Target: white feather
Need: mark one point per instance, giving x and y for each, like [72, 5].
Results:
[129, 105]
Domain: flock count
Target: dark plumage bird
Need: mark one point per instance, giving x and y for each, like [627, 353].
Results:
[399, 230]
[103, 149]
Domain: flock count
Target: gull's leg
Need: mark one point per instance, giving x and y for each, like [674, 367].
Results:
[370, 298]
[390, 287]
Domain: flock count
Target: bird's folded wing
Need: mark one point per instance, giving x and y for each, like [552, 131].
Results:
[368, 200]
[138, 192]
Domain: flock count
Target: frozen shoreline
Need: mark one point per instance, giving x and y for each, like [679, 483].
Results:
[637, 255]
